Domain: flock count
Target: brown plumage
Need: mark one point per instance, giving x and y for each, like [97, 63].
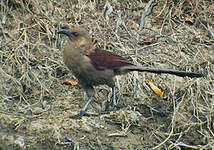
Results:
[93, 66]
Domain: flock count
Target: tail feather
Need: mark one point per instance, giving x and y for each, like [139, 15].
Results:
[167, 71]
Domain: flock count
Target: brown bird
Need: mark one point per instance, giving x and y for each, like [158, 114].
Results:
[93, 66]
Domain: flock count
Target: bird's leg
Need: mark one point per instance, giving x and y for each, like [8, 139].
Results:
[115, 105]
[114, 96]
[85, 96]
[83, 110]
[112, 103]
[90, 94]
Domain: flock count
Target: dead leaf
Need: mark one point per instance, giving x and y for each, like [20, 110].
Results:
[148, 40]
[69, 82]
[211, 7]
[154, 88]
[56, 4]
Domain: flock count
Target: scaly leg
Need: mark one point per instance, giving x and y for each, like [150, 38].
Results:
[114, 96]
[90, 94]
[83, 110]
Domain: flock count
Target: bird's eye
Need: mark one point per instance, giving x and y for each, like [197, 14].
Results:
[75, 34]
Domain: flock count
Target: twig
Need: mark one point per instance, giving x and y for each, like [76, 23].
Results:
[147, 12]
[119, 21]
[107, 10]
[211, 32]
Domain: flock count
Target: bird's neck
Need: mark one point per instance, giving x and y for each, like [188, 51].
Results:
[76, 51]
[83, 46]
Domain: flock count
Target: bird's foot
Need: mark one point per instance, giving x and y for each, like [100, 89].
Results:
[81, 114]
[119, 106]
[113, 108]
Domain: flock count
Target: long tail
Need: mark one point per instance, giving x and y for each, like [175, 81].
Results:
[167, 71]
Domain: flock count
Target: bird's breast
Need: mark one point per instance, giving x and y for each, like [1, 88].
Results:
[86, 73]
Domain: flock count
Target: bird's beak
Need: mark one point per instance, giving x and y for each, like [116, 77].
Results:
[65, 31]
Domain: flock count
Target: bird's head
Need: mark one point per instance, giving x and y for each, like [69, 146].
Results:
[75, 34]
[78, 37]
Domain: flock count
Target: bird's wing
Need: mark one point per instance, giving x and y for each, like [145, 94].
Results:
[102, 59]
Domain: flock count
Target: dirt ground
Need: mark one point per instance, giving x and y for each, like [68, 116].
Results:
[35, 106]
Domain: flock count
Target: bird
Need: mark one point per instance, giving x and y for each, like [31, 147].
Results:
[95, 66]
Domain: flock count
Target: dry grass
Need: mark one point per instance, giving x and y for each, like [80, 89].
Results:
[35, 107]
